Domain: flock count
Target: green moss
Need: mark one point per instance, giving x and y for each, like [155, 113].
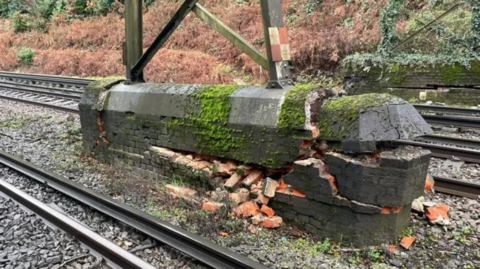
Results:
[292, 114]
[338, 117]
[451, 73]
[98, 86]
[209, 122]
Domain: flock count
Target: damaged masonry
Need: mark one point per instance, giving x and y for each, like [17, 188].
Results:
[302, 155]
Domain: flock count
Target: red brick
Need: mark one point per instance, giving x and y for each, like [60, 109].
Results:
[246, 209]
[212, 206]
[267, 210]
[254, 177]
[269, 187]
[233, 182]
[180, 191]
[271, 222]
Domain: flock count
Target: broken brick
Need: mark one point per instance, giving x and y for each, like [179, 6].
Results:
[221, 169]
[389, 210]
[245, 169]
[429, 183]
[392, 249]
[163, 152]
[407, 241]
[257, 219]
[261, 199]
[231, 166]
[218, 195]
[233, 182]
[180, 191]
[438, 214]
[282, 185]
[252, 229]
[298, 193]
[333, 184]
[199, 165]
[211, 206]
[271, 222]
[269, 187]
[254, 177]
[267, 210]
[182, 160]
[246, 209]
[239, 196]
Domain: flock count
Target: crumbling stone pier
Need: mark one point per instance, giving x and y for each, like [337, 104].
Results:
[323, 162]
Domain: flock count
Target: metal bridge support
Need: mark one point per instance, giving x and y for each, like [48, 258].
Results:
[276, 42]
[133, 46]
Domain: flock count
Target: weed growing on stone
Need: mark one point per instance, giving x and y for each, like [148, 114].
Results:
[14, 124]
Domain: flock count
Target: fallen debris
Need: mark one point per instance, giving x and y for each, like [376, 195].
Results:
[438, 214]
[407, 241]
[271, 222]
[246, 209]
[417, 204]
[429, 183]
[253, 177]
[180, 191]
[267, 211]
[269, 187]
[233, 182]
[212, 206]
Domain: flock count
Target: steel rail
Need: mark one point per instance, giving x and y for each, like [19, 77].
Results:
[190, 244]
[104, 247]
[30, 102]
[456, 141]
[47, 78]
[457, 187]
[468, 155]
[58, 92]
[468, 122]
[447, 109]
[18, 84]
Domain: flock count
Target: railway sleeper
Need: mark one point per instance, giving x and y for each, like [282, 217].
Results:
[322, 162]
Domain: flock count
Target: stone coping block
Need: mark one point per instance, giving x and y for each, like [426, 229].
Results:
[396, 178]
[370, 117]
[343, 224]
[249, 124]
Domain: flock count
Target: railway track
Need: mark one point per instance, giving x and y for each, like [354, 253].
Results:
[455, 116]
[35, 79]
[108, 250]
[32, 92]
[447, 152]
[190, 244]
[457, 187]
[54, 98]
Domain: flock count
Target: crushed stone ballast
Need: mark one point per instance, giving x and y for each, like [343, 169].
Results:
[188, 243]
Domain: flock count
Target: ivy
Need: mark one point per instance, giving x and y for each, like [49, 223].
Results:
[388, 21]
[363, 62]
[386, 58]
[475, 24]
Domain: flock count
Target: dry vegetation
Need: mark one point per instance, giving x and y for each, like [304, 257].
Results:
[321, 33]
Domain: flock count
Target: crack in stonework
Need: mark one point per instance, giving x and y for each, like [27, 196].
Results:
[390, 121]
[100, 124]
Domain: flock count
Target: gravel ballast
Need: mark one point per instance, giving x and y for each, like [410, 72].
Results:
[52, 140]
[27, 242]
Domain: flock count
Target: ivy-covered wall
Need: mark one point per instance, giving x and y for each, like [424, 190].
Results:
[458, 84]
[389, 69]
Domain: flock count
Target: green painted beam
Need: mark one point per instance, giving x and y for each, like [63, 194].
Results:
[160, 40]
[237, 40]
[133, 46]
